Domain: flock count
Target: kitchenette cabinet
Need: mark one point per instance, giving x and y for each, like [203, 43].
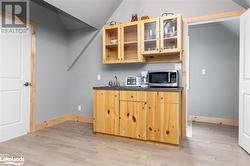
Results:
[144, 113]
[112, 44]
[163, 117]
[107, 116]
[150, 40]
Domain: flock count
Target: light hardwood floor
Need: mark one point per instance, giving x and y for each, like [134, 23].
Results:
[73, 144]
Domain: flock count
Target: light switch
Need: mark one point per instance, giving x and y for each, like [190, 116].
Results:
[79, 107]
[203, 71]
[99, 77]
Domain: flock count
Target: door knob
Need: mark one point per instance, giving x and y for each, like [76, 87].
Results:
[27, 84]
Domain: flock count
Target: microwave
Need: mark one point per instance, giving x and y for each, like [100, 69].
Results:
[133, 81]
[163, 78]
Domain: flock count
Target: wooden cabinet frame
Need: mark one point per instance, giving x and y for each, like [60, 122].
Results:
[157, 22]
[179, 34]
[105, 44]
[135, 42]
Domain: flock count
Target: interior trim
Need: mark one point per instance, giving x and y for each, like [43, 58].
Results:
[186, 22]
[62, 119]
[220, 121]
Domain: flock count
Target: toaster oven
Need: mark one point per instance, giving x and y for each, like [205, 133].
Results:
[133, 81]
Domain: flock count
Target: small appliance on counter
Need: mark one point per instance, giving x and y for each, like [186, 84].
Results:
[133, 81]
[163, 78]
[144, 79]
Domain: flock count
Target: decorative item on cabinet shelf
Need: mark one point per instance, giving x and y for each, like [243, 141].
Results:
[112, 23]
[144, 17]
[134, 17]
[167, 14]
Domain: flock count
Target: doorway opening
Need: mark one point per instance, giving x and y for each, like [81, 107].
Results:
[213, 79]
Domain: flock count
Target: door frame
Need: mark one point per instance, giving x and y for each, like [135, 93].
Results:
[33, 78]
[191, 21]
[32, 96]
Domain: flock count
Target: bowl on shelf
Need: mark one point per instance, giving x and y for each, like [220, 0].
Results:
[113, 41]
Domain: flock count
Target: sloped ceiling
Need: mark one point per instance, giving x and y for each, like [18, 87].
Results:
[93, 12]
[232, 25]
[243, 3]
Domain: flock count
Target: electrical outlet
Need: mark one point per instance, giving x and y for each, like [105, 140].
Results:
[79, 107]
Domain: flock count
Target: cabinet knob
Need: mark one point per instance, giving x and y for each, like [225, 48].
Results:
[132, 96]
[108, 111]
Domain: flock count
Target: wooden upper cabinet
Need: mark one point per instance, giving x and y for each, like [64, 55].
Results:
[150, 36]
[106, 112]
[171, 34]
[151, 40]
[111, 44]
[130, 42]
[133, 119]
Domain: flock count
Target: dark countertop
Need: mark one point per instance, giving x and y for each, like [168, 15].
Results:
[138, 89]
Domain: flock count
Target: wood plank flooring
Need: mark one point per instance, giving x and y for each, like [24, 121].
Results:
[74, 144]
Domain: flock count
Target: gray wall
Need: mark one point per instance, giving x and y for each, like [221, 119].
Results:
[83, 74]
[51, 54]
[216, 49]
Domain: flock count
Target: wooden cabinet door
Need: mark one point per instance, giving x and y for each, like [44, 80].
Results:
[111, 44]
[133, 119]
[130, 42]
[163, 120]
[106, 111]
[150, 43]
[171, 33]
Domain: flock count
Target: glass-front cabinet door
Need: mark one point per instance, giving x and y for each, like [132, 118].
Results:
[130, 45]
[171, 33]
[111, 44]
[150, 36]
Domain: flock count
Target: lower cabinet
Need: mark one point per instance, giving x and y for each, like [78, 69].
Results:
[153, 116]
[133, 119]
[106, 112]
[163, 117]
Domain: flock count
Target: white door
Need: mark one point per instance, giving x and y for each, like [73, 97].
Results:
[244, 96]
[14, 96]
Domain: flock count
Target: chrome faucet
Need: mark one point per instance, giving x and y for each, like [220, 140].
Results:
[116, 82]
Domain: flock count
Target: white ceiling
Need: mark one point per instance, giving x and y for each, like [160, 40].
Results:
[92, 12]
